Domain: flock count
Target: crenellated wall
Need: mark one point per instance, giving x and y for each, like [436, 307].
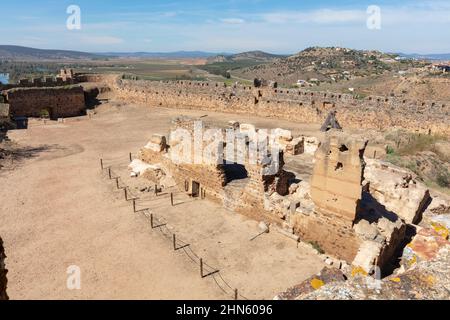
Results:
[289, 104]
[65, 78]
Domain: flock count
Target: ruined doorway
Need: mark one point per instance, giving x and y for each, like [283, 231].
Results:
[47, 113]
[52, 114]
[195, 189]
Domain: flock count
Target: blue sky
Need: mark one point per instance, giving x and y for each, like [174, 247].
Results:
[283, 26]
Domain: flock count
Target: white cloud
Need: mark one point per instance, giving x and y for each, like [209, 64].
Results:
[323, 16]
[430, 12]
[233, 21]
[31, 41]
[169, 14]
[416, 26]
[100, 40]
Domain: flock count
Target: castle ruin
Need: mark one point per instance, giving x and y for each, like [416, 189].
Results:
[331, 210]
[56, 97]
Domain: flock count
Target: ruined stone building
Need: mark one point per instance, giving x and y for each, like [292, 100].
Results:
[56, 97]
[333, 210]
[57, 102]
[67, 75]
[344, 221]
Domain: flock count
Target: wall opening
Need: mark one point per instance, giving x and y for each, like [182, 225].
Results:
[235, 171]
[195, 189]
[343, 148]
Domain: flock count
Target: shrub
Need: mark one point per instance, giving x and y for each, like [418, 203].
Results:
[443, 180]
[390, 150]
[44, 113]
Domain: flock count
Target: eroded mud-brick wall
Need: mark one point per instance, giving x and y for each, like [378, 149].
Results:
[59, 102]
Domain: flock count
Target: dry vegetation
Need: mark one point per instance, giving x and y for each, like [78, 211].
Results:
[428, 156]
[322, 64]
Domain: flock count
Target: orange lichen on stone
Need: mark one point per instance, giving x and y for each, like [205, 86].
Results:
[441, 230]
[358, 271]
[430, 280]
[425, 245]
[317, 283]
[412, 261]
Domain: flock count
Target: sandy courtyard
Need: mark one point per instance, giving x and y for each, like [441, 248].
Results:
[57, 210]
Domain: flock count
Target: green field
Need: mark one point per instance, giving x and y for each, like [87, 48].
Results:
[142, 69]
[223, 68]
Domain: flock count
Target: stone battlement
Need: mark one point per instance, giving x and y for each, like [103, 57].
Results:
[290, 104]
[65, 77]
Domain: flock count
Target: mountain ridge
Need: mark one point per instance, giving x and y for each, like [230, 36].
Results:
[21, 53]
[255, 56]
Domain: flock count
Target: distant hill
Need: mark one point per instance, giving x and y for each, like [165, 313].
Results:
[161, 55]
[321, 64]
[224, 64]
[250, 56]
[25, 53]
[435, 57]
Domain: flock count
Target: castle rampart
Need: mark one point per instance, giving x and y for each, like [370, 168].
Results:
[372, 112]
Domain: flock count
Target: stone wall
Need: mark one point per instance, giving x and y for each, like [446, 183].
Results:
[3, 272]
[336, 190]
[334, 213]
[210, 175]
[336, 184]
[46, 82]
[59, 101]
[244, 194]
[346, 221]
[290, 104]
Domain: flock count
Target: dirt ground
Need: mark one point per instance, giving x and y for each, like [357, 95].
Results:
[58, 210]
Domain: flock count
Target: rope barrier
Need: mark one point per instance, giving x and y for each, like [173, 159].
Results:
[192, 258]
[219, 285]
[162, 226]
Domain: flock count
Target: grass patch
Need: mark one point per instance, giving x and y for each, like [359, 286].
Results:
[390, 150]
[406, 143]
[443, 180]
[223, 68]
[399, 161]
[405, 150]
